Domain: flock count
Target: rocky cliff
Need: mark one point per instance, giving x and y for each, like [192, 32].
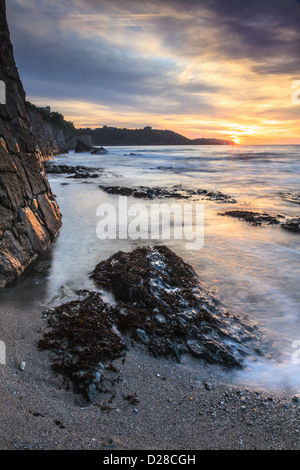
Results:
[45, 138]
[29, 214]
[54, 135]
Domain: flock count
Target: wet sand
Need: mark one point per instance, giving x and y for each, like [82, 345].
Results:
[187, 406]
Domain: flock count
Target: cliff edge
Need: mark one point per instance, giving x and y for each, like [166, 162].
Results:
[29, 215]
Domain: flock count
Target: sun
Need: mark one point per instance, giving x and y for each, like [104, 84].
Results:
[236, 141]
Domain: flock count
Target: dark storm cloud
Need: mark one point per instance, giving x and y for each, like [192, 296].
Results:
[266, 32]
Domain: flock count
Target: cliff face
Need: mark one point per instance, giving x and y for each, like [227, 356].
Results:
[44, 136]
[51, 139]
[29, 215]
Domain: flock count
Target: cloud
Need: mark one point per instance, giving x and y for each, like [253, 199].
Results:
[91, 64]
[166, 59]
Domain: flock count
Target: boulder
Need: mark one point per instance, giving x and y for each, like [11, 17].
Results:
[99, 151]
[159, 303]
[82, 147]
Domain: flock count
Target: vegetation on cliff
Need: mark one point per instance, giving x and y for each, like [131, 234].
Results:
[53, 117]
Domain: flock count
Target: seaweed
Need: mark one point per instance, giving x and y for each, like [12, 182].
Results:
[83, 340]
[160, 304]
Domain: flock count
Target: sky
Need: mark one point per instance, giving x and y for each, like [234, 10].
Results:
[227, 69]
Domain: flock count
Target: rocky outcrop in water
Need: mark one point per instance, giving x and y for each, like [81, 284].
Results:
[76, 172]
[85, 145]
[177, 192]
[160, 304]
[99, 151]
[254, 218]
[29, 215]
[291, 197]
[262, 218]
[291, 225]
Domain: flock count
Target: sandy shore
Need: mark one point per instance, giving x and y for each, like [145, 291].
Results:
[178, 406]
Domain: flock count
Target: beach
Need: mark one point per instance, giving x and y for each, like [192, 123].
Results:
[176, 409]
[158, 403]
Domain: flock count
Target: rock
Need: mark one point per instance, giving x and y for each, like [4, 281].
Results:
[29, 215]
[257, 218]
[44, 136]
[85, 140]
[141, 334]
[216, 196]
[84, 144]
[291, 197]
[177, 192]
[254, 218]
[208, 386]
[84, 342]
[71, 141]
[145, 192]
[296, 398]
[60, 139]
[99, 151]
[292, 225]
[195, 348]
[53, 135]
[83, 147]
[154, 281]
[146, 283]
[76, 172]
[22, 366]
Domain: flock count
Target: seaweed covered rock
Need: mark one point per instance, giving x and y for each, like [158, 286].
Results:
[258, 218]
[76, 172]
[254, 218]
[145, 192]
[159, 304]
[83, 340]
[292, 225]
[163, 305]
[176, 192]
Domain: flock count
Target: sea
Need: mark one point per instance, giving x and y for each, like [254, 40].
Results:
[254, 270]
